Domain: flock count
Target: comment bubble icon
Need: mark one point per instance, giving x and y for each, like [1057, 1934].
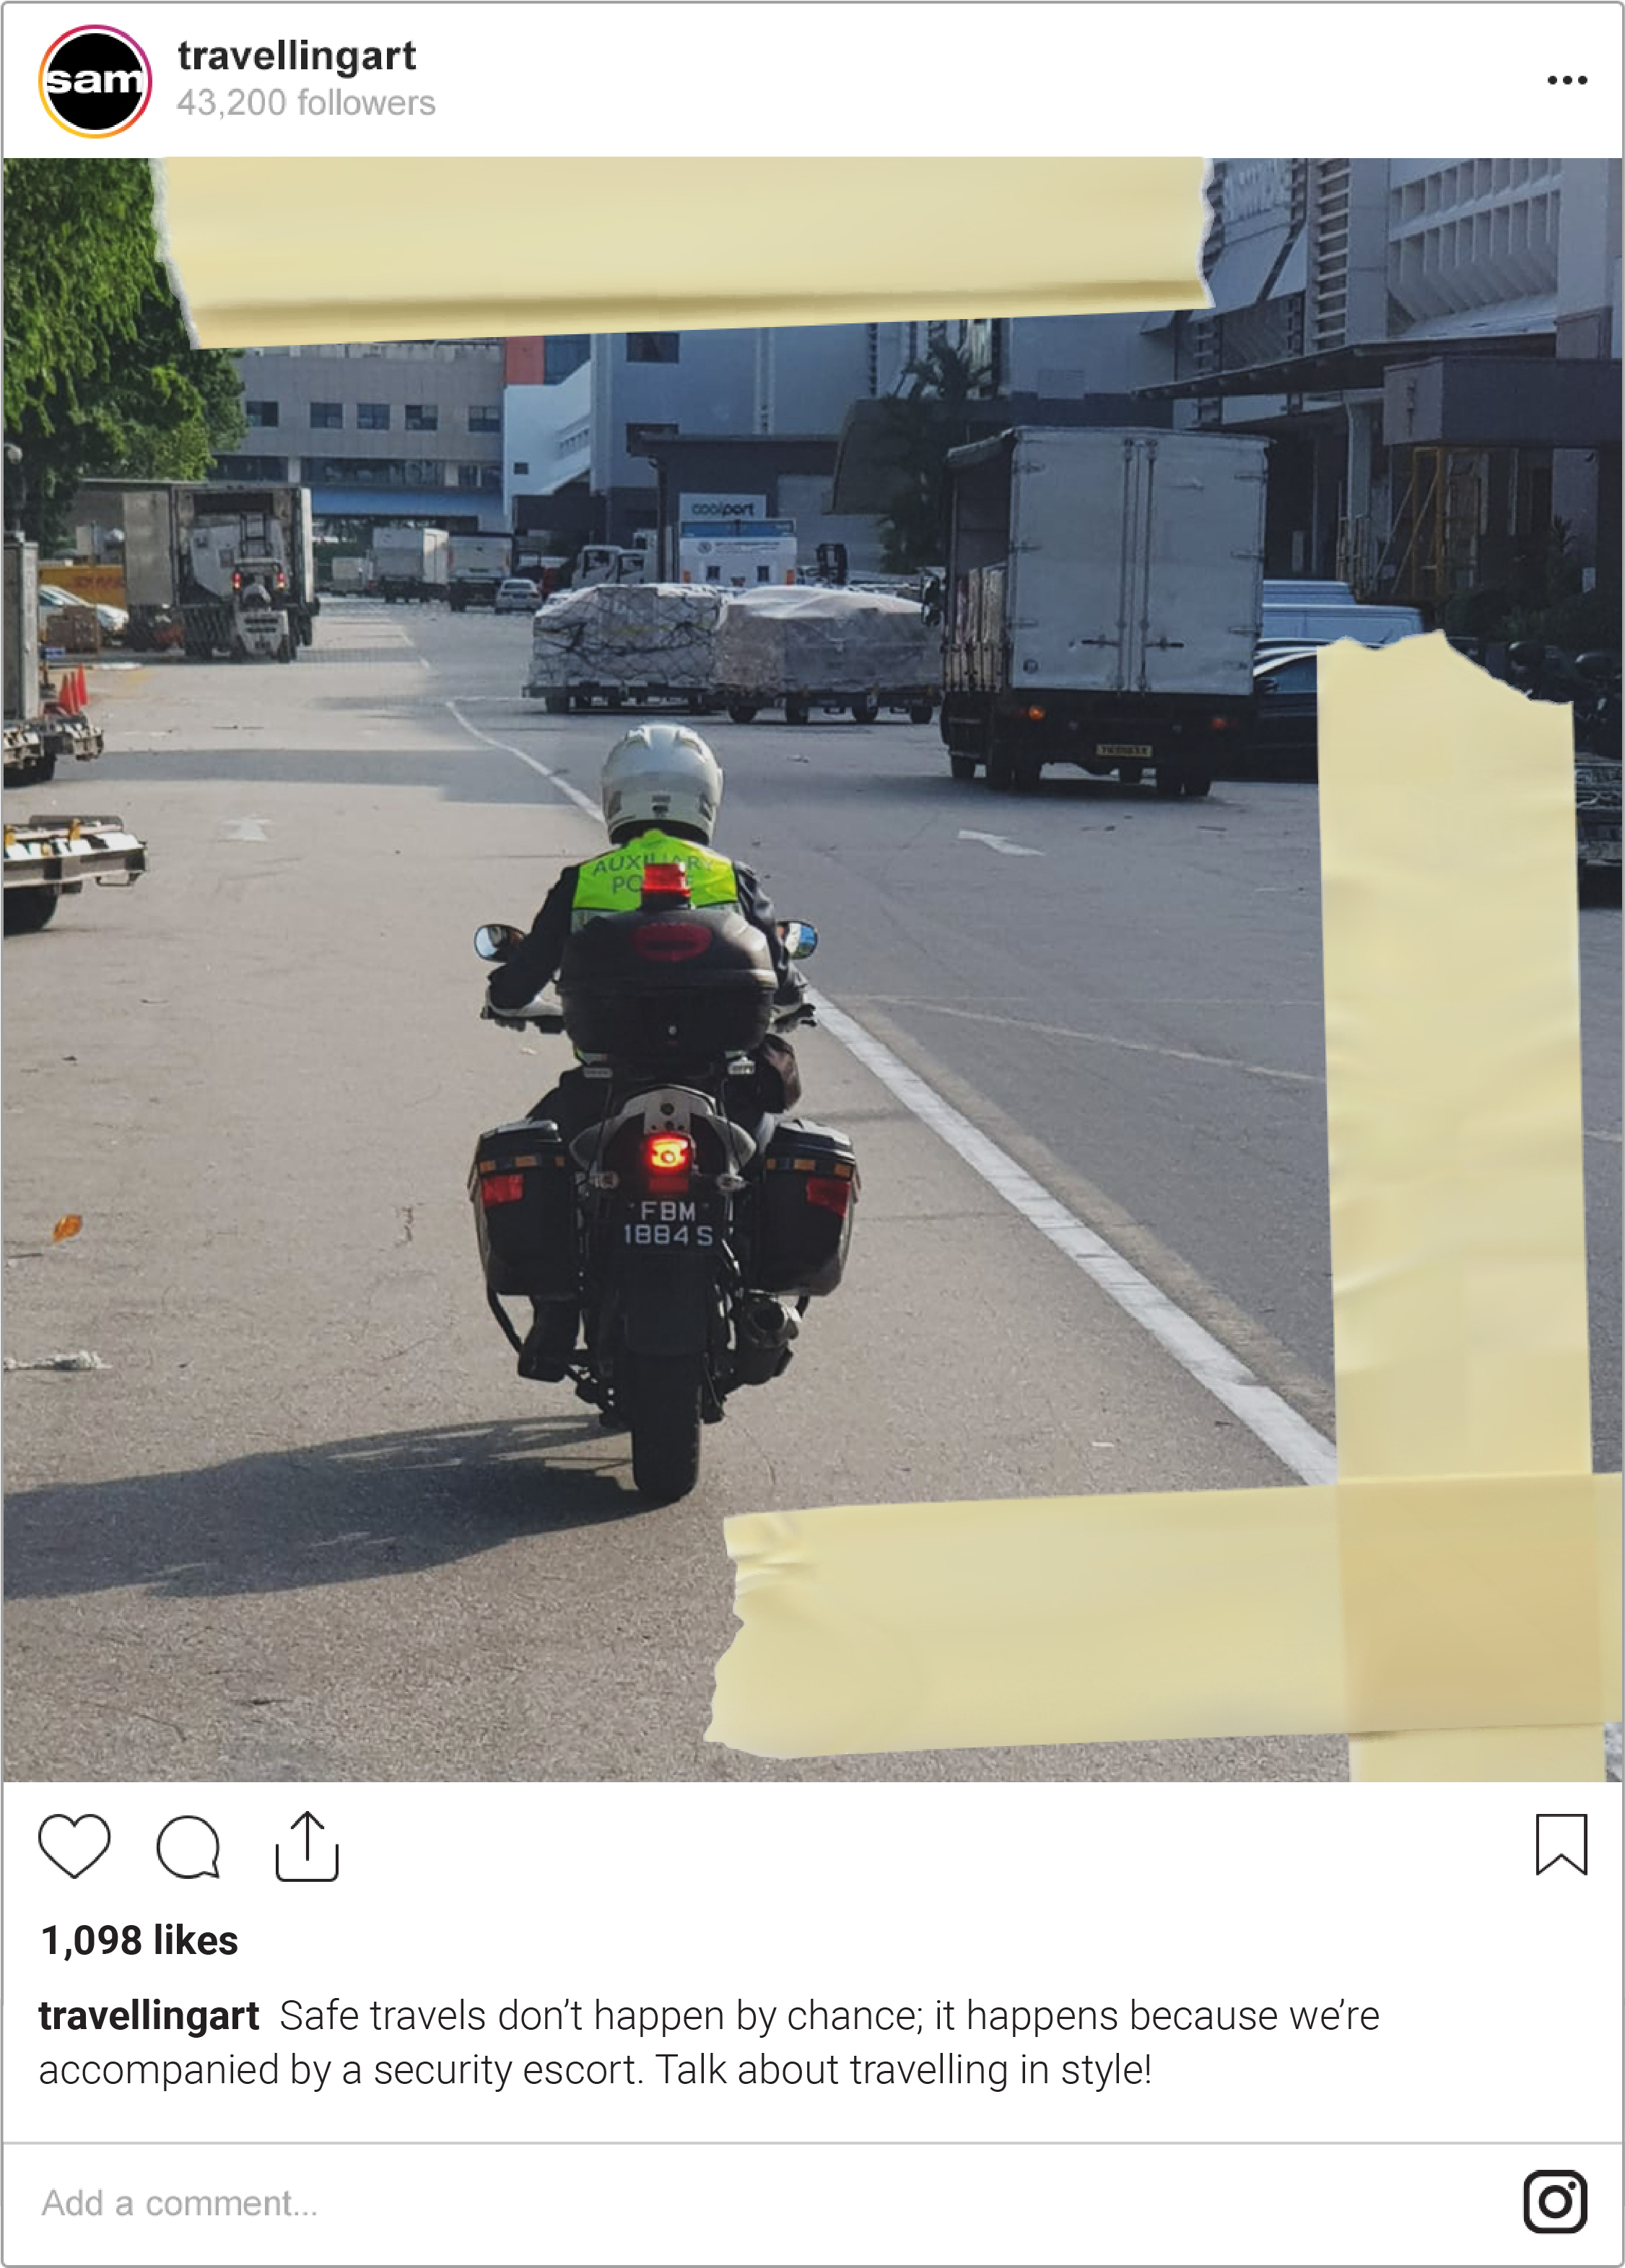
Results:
[188, 1848]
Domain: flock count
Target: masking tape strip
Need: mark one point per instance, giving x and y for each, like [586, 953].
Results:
[1435, 1618]
[875, 1628]
[1453, 1043]
[466, 248]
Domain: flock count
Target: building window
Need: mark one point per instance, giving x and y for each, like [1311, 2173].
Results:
[521, 465]
[374, 472]
[372, 416]
[422, 418]
[484, 478]
[327, 417]
[485, 418]
[652, 346]
[561, 357]
[261, 413]
[250, 468]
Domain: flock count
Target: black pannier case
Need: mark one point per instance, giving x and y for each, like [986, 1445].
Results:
[805, 1199]
[524, 1190]
[687, 986]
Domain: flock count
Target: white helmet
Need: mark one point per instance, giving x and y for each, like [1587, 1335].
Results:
[661, 774]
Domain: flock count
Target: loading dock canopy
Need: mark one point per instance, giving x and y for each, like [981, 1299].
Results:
[1340, 370]
[1494, 403]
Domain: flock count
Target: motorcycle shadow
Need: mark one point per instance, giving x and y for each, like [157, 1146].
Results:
[338, 1512]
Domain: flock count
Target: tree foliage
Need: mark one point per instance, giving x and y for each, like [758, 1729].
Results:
[101, 376]
[924, 424]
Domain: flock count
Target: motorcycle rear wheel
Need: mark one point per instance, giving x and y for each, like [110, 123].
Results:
[661, 1400]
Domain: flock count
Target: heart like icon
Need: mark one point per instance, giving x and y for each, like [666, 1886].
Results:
[75, 1845]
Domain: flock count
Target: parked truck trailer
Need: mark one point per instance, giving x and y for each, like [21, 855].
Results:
[1103, 604]
[191, 546]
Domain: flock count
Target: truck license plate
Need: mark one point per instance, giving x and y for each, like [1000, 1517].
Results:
[1116, 752]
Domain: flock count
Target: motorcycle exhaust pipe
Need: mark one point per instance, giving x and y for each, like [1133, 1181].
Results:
[767, 1328]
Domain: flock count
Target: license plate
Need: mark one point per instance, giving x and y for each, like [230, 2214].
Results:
[683, 1223]
[1120, 753]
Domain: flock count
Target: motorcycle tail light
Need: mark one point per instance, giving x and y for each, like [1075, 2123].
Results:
[671, 940]
[501, 1189]
[668, 882]
[834, 1197]
[668, 1155]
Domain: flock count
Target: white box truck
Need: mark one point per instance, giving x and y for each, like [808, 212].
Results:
[1103, 604]
[411, 563]
[478, 564]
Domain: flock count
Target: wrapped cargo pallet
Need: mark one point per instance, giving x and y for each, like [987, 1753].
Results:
[806, 648]
[625, 643]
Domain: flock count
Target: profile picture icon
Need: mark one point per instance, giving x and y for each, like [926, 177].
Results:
[95, 81]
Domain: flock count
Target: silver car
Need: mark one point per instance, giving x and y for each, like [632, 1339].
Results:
[516, 596]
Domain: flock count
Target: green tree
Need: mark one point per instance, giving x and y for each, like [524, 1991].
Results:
[925, 423]
[101, 376]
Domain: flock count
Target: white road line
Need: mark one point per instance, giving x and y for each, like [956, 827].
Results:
[1274, 1422]
[999, 843]
[1104, 1040]
[565, 787]
[1261, 1410]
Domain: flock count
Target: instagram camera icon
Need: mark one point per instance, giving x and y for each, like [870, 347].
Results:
[1555, 2202]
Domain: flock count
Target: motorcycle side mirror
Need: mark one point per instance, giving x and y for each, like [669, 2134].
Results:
[495, 941]
[800, 941]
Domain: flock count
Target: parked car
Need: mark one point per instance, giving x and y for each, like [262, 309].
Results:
[516, 596]
[1286, 744]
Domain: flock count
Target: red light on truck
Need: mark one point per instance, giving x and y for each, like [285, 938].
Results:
[668, 1153]
[501, 1189]
[1036, 716]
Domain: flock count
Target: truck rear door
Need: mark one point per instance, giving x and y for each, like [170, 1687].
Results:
[149, 564]
[1200, 537]
[1065, 607]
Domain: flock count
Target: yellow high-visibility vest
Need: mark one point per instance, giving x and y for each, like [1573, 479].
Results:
[614, 882]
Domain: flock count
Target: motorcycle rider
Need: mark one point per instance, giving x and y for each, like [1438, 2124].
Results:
[661, 790]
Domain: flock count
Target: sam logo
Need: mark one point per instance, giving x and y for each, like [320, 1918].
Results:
[95, 81]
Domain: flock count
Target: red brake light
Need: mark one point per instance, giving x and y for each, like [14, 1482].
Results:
[668, 1153]
[1218, 724]
[671, 940]
[834, 1197]
[501, 1189]
[237, 580]
[667, 882]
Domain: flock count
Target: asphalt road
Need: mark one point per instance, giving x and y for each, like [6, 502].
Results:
[306, 1524]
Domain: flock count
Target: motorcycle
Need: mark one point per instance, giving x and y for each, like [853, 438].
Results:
[690, 1226]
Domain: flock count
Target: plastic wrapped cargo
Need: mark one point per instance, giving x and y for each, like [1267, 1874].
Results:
[821, 643]
[626, 639]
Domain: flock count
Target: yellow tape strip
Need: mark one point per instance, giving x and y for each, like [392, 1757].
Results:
[1047, 1620]
[366, 248]
[1462, 1627]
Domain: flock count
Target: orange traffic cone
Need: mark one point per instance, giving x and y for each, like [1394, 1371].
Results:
[64, 692]
[81, 693]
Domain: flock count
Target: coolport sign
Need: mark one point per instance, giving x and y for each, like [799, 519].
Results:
[95, 82]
